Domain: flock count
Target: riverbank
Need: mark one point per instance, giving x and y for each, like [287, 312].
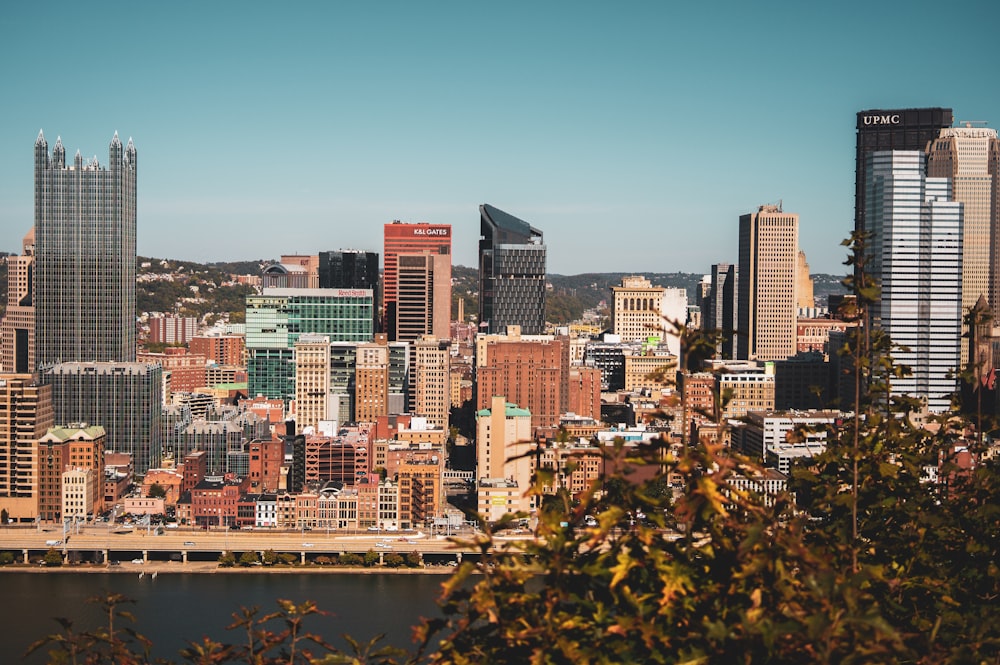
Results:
[212, 567]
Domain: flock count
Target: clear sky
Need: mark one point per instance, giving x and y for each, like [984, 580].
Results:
[633, 134]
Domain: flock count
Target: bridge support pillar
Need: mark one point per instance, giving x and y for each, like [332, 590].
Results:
[145, 556]
[184, 556]
[25, 554]
[302, 557]
[105, 554]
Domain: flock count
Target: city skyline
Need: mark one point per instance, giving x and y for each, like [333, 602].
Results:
[273, 130]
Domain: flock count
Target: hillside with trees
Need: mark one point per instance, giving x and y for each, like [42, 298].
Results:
[189, 288]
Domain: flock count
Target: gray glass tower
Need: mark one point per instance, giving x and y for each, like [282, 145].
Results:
[511, 273]
[85, 231]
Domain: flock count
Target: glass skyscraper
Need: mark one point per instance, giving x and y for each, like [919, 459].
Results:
[85, 254]
[511, 273]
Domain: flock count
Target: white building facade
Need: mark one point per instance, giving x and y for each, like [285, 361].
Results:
[915, 256]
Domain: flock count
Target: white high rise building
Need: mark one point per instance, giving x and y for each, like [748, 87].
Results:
[916, 257]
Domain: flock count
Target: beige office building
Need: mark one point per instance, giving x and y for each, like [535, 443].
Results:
[769, 251]
[371, 384]
[969, 157]
[312, 380]
[637, 310]
[17, 326]
[503, 467]
[25, 415]
[432, 380]
[804, 283]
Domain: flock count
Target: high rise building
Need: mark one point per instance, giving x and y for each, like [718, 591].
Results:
[916, 257]
[276, 318]
[85, 255]
[344, 379]
[220, 349]
[348, 269]
[172, 329]
[352, 269]
[721, 311]
[511, 273]
[25, 416]
[531, 373]
[804, 292]
[17, 329]
[769, 246]
[124, 398]
[423, 297]
[431, 383]
[371, 380]
[312, 380]
[969, 156]
[503, 465]
[400, 238]
[892, 129]
[637, 311]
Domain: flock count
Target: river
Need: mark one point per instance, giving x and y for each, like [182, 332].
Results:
[176, 608]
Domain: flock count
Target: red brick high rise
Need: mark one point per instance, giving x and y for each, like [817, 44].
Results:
[222, 349]
[187, 370]
[533, 374]
[400, 238]
[585, 392]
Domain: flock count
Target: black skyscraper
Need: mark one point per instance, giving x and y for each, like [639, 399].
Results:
[894, 129]
[348, 269]
[511, 273]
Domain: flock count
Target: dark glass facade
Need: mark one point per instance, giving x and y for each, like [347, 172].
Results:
[892, 129]
[511, 274]
[348, 269]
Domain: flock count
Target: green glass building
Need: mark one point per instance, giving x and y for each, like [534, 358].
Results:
[276, 318]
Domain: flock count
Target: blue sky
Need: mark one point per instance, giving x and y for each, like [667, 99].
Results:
[632, 134]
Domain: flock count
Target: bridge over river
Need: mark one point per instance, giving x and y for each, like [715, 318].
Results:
[104, 544]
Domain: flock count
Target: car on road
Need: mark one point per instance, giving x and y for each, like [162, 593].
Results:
[137, 562]
[384, 545]
[188, 543]
[307, 545]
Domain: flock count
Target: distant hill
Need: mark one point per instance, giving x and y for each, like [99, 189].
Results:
[195, 289]
[571, 295]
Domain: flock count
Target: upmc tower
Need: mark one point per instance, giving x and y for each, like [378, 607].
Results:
[893, 129]
[418, 241]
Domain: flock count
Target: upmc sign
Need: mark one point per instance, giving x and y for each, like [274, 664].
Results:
[442, 231]
[891, 119]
